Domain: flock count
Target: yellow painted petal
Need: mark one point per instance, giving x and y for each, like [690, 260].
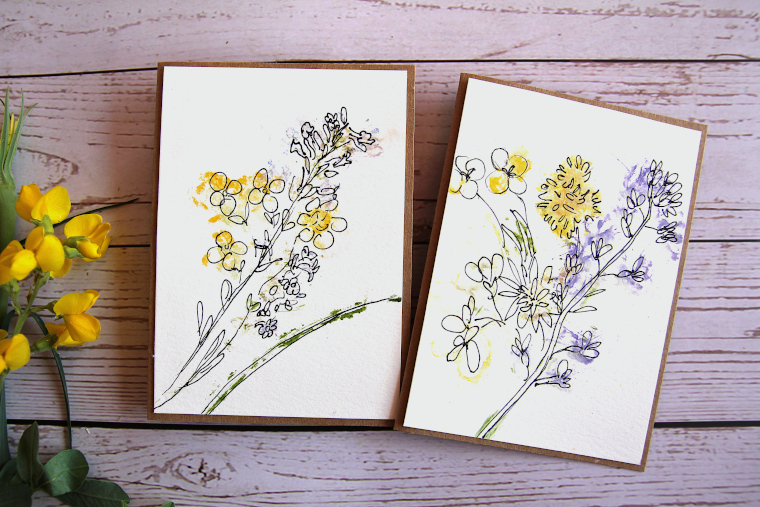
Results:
[76, 302]
[82, 327]
[27, 198]
[498, 182]
[49, 254]
[3, 366]
[15, 351]
[55, 203]
[82, 225]
[60, 273]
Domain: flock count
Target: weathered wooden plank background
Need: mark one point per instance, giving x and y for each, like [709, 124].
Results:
[91, 69]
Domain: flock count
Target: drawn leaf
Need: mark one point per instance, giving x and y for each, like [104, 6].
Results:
[585, 309]
[330, 174]
[226, 291]
[595, 292]
[288, 226]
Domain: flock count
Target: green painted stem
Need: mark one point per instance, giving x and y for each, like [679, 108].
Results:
[285, 342]
[58, 364]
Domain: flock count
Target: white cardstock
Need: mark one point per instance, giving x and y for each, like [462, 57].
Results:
[554, 274]
[279, 247]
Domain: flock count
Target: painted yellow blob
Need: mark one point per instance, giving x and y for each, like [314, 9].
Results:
[498, 182]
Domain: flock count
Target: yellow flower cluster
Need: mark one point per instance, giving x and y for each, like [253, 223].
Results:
[46, 256]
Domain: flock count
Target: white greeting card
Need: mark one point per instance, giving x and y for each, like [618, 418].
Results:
[281, 291]
[563, 224]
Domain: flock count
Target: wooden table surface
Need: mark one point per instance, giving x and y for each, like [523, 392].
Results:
[92, 71]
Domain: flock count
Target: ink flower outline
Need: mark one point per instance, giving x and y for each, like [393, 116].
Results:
[319, 223]
[465, 339]
[464, 181]
[227, 251]
[263, 188]
[508, 172]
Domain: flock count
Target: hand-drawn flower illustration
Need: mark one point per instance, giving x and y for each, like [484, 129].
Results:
[267, 328]
[664, 189]
[486, 271]
[509, 172]
[320, 223]
[224, 192]
[465, 339]
[289, 283]
[560, 378]
[362, 140]
[307, 261]
[636, 272]
[586, 346]
[227, 251]
[667, 233]
[263, 188]
[533, 303]
[567, 199]
[464, 179]
[520, 349]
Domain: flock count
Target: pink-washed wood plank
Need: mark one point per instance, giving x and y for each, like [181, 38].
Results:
[713, 372]
[56, 37]
[707, 466]
[94, 133]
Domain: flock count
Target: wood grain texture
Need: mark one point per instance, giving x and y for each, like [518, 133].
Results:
[115, 35]
[88, 126]
[712, 466]
[713, 371]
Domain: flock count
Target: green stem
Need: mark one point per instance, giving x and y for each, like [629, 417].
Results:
[5, 452]
[283, 344]
[7, 229]
[33, 290]
[59, 365]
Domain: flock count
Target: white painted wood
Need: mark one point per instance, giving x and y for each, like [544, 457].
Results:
[94, 133]
[713, 372]
[711, 466]
[52, 37]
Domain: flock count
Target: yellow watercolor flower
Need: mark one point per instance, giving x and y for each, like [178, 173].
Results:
[227, 251]
[16, 262]
[80, 327]
[91, 235]
[567, 199]
[14, 351]
[32, 205]
[47, 249]
[509, 172]
[319, 223]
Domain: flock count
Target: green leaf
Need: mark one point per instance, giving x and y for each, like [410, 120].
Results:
[168, 504]
[96, 493]
[27, 459]
[16, 495]
[65, 472]
[8, 472]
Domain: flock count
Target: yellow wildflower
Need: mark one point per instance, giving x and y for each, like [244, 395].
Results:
[80, 327]
[567, 199]
[12, 124]
[47, 248]
[91, 235]
[16, 262]
[14, 351]
[509, 172]
[33, 205]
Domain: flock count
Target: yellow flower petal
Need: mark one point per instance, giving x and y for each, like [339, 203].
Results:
[60, 273]
[89, 249]
[3, 366]
[34, 238]
[76, 303]
[27, 198]
[498, 182]
[64, 338]
[82, 327]
[49, 254]
[99, 233]
[15, 351]
[82, 225]
[9, 251]
[55, 203]
[3, 334]
[23, 263]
